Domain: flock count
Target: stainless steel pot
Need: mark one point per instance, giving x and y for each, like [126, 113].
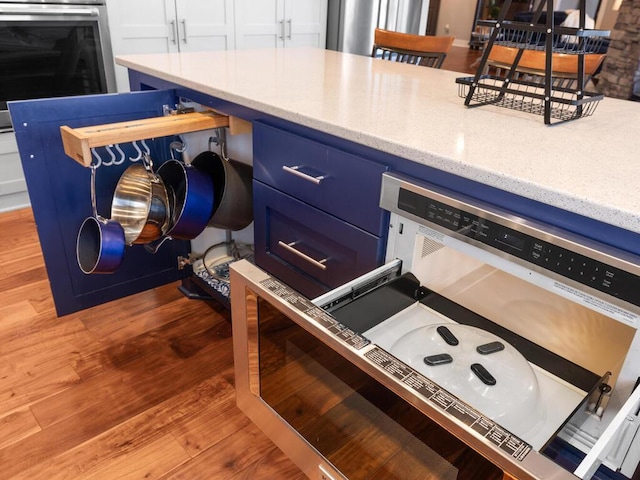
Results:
[140, 204]
[233, 190]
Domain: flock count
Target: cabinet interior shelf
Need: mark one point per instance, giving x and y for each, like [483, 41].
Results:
[78, 142]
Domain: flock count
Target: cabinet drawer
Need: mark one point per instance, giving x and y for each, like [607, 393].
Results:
[307, 248]
[344, 185]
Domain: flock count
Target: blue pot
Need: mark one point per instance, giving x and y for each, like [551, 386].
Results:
[100, 245]
[191, 198]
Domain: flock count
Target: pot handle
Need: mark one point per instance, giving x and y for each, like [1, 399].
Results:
[148, 166]
[154, 247]
[94, 203]
[147, 162]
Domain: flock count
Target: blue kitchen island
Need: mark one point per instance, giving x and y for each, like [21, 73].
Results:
[327, 125]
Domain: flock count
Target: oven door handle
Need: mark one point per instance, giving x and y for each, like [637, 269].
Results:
[316, 263]
[48, 12]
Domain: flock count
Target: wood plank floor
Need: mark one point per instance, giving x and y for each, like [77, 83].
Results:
[462, 59]
[137, 388]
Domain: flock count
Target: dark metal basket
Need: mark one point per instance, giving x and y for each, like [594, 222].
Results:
[527, 95]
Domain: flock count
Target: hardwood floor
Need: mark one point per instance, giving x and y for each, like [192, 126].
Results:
[137, 388]
[462, 59]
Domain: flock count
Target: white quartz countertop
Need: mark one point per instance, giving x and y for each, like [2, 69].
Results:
[590, 166]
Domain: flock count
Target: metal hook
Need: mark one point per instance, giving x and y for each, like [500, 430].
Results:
[221, 141]
[223, 151]
[179, 146]
[122, 155]
[184, 143]
[151, 248]
[97, 157]
[146, 148]
[111, 154]
[147, 162]
[135, 159]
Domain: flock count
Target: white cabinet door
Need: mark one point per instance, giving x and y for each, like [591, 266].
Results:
[259, 24]
[281, 23]
[205, 25]
[162, 26]
[305, 23]
[141, 27]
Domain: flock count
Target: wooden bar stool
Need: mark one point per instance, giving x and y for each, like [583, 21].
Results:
[532, 64]
[423, 50]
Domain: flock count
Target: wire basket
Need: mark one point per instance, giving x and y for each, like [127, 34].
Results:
[527, 95]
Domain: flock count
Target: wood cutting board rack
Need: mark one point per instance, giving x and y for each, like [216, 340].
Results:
[78, 142]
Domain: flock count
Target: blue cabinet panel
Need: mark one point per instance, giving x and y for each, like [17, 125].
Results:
[59, 190]
[347, 186]
[346, 251]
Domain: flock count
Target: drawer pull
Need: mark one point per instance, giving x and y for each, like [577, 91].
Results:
[295, 170]
[289, 247]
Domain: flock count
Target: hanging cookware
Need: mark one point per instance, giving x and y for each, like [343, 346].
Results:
[100, 242]
[232, 185]
[140, 203]
[191, 196]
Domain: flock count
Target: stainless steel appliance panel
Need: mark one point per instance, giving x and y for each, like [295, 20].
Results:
[53, 49]
[351, 23]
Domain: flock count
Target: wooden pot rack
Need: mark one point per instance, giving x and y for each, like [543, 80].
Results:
[78, 142]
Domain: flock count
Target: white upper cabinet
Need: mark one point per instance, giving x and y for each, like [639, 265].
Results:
[205, 25]
[161, 26]
[280, 23]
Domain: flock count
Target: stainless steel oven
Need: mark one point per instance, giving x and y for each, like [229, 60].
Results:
[488, 346]
[52, 49]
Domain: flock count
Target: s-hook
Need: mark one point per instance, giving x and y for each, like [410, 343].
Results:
[179, 146]
[122, 155]
[97, 157]
[112, 155]
[139, 157]
[220, 140]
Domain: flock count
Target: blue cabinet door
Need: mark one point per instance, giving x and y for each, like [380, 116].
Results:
[59, 191]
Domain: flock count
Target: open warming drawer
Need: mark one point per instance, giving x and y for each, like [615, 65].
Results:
[478, 323]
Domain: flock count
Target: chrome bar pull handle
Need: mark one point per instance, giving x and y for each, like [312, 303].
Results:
[184, 29]
[281, 36]
[295, 170]
[174, 36]
[316, 263]
[289, 22]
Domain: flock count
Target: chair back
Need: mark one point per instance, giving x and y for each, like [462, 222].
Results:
[424, 50]
[532, 62]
